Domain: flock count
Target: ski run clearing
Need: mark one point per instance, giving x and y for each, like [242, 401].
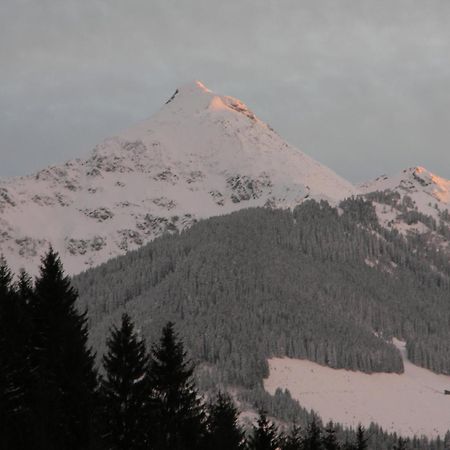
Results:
[412, 403]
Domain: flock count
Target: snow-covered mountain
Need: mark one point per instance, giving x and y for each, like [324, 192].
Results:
[413, 200]
[428, 191]
[201, 155]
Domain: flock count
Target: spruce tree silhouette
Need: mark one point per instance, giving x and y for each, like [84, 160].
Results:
[361, 439]
[16, 421]
[64, 376]
[180, 421]
[401, 444]
[265, 435]
[224, 432]
[125, 388]
[313, 437]
[10, 391]
[329, 440]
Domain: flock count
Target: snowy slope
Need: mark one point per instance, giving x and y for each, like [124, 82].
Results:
[417, 189]
[412, 403]
[201, 155]
[425, 188]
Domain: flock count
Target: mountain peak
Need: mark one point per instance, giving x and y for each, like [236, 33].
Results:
[194, 86]
[189, 89]
[194, 98]
[426, 178]
[414, 181]
[189, 98]
[201, 155]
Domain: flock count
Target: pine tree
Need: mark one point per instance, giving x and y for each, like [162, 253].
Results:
[401, 444]
[9, 390]
[361, 439]
[25, 289]
[180, 416]
[16, 429]
[265, 435]
[63, 367]
[6, 374]
[294, 440]
[313, 437]
[330, 441]
[125, 390]
[224, 432]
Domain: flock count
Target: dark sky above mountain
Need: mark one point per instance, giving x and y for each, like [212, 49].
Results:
[361, 85]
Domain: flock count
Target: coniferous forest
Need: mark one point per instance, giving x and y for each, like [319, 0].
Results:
[141, 352]
[326, 284]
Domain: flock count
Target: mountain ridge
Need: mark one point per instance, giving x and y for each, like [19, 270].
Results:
[414, 201]
[200, 155]
[413, 181]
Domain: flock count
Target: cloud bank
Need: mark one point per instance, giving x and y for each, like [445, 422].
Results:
[363, 86]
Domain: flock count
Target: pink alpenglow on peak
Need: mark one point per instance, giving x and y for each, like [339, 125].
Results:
[419, 196]
[416, 182]
[201, 155]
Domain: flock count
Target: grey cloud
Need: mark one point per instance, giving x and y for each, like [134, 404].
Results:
[363, 86]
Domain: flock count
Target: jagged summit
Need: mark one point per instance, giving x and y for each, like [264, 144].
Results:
[190, 96]
[194, 86]
[196, 99]
[413, 201]
[414, 181]
[202, 154]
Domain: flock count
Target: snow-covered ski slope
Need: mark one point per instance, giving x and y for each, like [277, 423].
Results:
[412, 403]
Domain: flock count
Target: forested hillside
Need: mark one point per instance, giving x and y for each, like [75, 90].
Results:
[319, 283]
[52, 397]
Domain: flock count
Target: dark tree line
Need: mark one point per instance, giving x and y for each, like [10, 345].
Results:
[52, 397]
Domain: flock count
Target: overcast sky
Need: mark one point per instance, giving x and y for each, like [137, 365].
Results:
[362, 86]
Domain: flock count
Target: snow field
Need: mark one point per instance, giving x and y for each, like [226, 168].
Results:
[412, 403]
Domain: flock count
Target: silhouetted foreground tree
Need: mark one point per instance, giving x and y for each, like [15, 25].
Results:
[180, 415]
[224, 431]
[15, 413]
[265, 435]
[49, 371]
[313, 437]
[64, 376]
[125, 389]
